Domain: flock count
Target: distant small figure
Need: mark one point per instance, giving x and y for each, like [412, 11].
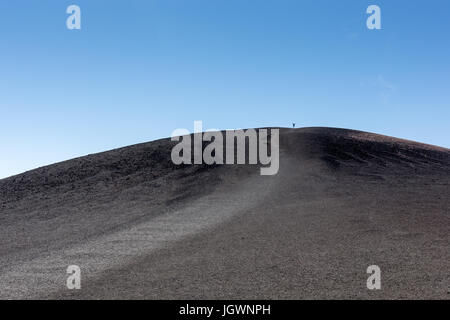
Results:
[293, 124]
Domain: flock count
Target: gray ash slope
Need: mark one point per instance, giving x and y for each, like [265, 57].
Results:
[141, 227]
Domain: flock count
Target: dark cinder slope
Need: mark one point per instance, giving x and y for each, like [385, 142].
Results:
[141, 227]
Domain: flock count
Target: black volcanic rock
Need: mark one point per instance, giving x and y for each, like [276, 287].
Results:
[141, 227]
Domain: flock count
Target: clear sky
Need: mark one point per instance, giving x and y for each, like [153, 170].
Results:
[137, 70]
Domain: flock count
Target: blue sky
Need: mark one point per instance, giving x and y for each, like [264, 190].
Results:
[137, 70]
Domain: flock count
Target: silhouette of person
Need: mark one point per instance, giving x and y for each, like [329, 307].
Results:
[293, 124]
